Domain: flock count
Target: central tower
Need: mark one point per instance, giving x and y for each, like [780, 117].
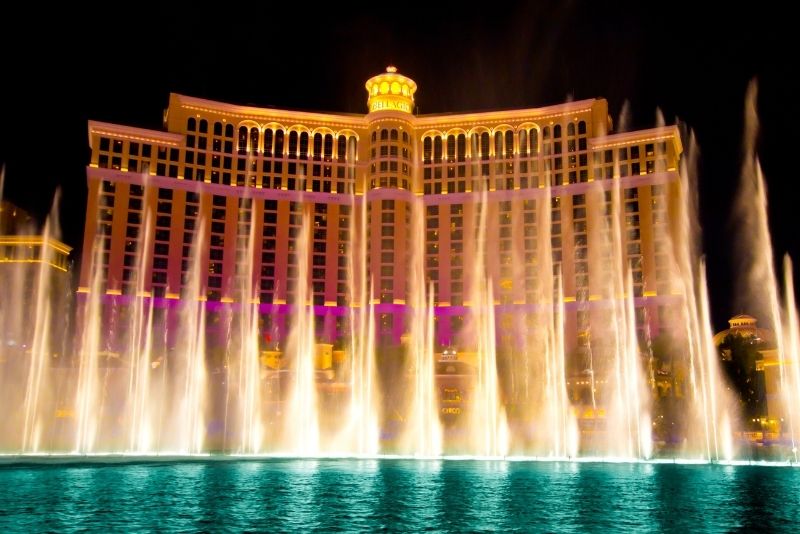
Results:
[390, 188]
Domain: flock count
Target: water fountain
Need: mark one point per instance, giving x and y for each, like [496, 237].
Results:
[758, 280]
[301, 424]
[37, 385]
[362, 427]
[140, 379]
[488, 428]
[790, 378]
[423, 433]
[246, 389]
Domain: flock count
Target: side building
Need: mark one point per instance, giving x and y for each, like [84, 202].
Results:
[519, 181]
[35, 273]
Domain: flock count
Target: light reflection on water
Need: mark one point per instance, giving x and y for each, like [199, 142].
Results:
[371, 495]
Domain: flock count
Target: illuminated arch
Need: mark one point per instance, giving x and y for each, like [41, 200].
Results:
[273, 126]
[455, 131]
[503, 130]
[299, 128]
[533, 135]
[324, 130]
[249, 124]
[473, 140]
[348, 134]
[432, 133]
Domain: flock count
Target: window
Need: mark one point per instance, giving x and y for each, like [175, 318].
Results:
[341, 148]
[317, 147]
[242, 140]
[278, 144]
[254, 141]
[427, 148]
[485, 147]
[328, 148]
[533, 137]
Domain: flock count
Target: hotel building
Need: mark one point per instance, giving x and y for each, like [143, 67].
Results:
[224, 167]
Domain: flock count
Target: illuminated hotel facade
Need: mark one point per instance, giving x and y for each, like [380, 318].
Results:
[227, 166]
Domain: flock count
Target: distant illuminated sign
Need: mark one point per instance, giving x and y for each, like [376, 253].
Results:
[449, 355]
[389, 105]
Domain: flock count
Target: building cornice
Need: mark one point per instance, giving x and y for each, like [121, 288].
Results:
[131, 133]
[35, 240]
[265, 115]
[661, 133]
[512, 115]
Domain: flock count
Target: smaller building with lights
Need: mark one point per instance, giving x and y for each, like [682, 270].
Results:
[35, 270]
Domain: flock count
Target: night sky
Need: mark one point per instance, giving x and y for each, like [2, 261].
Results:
[121, 68]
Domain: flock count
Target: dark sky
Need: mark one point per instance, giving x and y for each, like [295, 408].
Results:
[122, 66]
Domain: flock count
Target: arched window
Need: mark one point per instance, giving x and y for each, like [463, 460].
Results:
[317, 146]
[571, 129]
[191, 124]
[533, 136]
[509, 144]
[351, 150]
[546, 133]
[217, 128]
[293, 145]
[451, 148]
[405, 137]
[498, 144]
[203, 126]
[485, 145]
[254, 141]
[268, 142]
[303, 145]
[393, 135]
[557, 131]
[341, 148]
[462, 147]
[229, 130]
[523, 143]
[384, 134]
[328, 148]
[582, 127]
[243, 140]
[427, 147]
[278, 143]
[374, 136]
[437, 150]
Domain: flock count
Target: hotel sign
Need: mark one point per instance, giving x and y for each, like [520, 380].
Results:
[380, 104]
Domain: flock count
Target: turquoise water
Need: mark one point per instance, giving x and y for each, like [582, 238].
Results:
[397, 495]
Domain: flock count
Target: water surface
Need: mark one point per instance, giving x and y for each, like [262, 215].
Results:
[396, 495]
